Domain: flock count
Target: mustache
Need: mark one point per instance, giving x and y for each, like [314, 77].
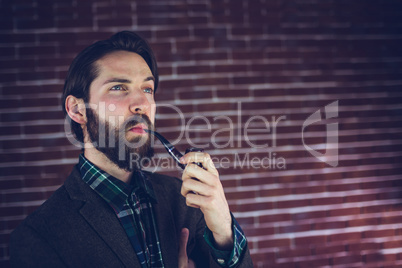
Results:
[136, 119]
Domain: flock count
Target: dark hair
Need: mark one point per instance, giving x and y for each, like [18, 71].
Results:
[83, 69]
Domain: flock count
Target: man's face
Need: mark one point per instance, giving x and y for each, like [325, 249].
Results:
[123, 94]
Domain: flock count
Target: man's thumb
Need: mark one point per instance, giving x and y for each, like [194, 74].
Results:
[183, 259]
[183, 241]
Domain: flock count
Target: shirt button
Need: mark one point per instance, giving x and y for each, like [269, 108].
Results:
[221, 261]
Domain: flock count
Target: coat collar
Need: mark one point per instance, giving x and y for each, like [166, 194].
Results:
[101, 218]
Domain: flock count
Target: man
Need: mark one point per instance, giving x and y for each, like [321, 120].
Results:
[110, 213]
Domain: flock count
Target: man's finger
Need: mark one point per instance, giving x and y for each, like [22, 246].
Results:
[199, 157]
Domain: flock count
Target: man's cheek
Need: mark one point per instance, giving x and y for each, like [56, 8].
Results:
[153, 113]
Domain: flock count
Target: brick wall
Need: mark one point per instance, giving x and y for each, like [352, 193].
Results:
[247, 74]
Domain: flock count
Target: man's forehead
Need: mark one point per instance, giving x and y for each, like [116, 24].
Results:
[123, 62]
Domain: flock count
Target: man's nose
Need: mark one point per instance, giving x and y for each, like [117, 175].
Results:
[139, 104]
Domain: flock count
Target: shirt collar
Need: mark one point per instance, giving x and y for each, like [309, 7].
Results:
[112, 190]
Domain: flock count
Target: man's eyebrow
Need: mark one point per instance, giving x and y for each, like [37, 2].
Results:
[149, 78]
[126, 81]
[117, 80]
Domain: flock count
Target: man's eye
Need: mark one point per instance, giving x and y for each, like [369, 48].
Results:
[117, 88]
[149, 90]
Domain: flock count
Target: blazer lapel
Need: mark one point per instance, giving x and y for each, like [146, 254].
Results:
[168, 234]
[110, 230]
[102, 219]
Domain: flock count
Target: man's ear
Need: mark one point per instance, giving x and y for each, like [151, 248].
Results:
[75, 108]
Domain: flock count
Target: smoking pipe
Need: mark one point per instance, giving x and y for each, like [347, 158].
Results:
[172, 150]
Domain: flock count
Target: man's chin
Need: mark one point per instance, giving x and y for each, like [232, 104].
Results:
[131, 158]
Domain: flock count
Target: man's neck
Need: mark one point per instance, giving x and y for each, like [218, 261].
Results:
[102, 162]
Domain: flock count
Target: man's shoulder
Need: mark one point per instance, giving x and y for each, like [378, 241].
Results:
[54, 209]
[45, 217]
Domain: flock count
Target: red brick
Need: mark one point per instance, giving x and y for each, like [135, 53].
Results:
[273, 243]
[344, 236]
[23, 197]
[194, 69]
[238, 80]
[344, 212]
[12, 211]
[173, 84]
[265, 257]
[234, 44]
[176, 33]
[37, 50]
[310, 215]
[328, 249]
[9, 103]
[310, 240]
[327, 201]
[376, 209]
[254, 206]
[344, 187]
[258, 231]
[188, 45]
[17, 38]
[12, 171]
[389, 195]
[313, 263]
[210, 55]
[123, 9]
[330, 225]
[374, 257]
[309, 190]
[274, 218]
[392, 244]
[212, 81]
[210, 32]
[208, 107]
[230, 68]
[378, 233]
[274, 192]
[347, 259]
[390, 219]
[38, 181]
[360, 198]
[363, 245]
[294, 253]
[10, 184]
[363, 222]
[240, 195]
[295, 228]
[292, 203]
[233, 93]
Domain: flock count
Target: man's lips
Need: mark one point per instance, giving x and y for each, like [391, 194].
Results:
[139, 129]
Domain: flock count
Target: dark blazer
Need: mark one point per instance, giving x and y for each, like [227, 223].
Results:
[77, 228]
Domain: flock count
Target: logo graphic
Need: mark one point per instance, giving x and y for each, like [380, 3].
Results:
[331, 146]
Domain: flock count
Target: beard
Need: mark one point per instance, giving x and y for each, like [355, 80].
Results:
[127, 154]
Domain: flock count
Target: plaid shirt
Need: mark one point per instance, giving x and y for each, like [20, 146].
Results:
[133, 206]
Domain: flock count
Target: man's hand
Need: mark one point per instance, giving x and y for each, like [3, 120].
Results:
[184, 261]
[203, 189]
